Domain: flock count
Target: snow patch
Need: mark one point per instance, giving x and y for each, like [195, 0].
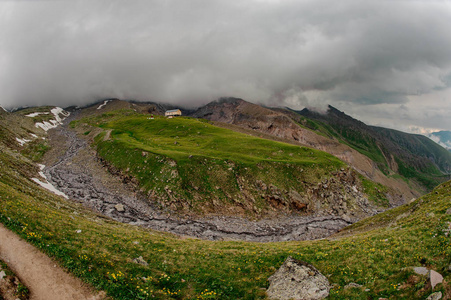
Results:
[1, 107]
[48, 185]
[57, 111]
[36, 114]
[104, 103]
[22, 141]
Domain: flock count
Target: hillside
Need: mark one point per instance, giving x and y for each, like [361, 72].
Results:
[377, 253]
[287, 125]
[194, 168]
[411, 156]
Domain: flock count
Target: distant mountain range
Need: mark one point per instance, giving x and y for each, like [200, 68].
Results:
[443, 138]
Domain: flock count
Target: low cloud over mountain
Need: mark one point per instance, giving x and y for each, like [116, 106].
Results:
[381, 61]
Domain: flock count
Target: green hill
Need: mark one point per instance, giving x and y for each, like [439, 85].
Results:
[376, 253]
[192, 166]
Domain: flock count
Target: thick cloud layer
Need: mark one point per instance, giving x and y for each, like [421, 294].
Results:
[360, 56]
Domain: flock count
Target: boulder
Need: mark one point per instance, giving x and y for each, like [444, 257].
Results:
[297, 280]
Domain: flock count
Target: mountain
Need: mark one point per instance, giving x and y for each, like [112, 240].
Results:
[135, 262]
[409, 155]
[443, 138]
[289, 126]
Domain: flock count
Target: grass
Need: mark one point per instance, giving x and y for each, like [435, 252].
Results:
[101, 251]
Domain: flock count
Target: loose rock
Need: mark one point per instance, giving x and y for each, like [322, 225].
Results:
[421, 270]
[352, 285]
[140, 261]
[297, 280]
[119, 207]
[435, 278]
[2, 274]
[435, 296]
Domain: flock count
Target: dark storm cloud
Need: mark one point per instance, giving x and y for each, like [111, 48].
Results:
[191, 52]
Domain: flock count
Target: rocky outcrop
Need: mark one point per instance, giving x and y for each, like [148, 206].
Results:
[297, 280]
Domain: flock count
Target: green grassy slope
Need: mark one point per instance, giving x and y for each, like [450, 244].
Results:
[15, 126]
[189, 164]
[101, 251]
[411, 156]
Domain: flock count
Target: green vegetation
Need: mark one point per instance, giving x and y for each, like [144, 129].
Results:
[417, 157]
[350, 136]
[101, 251]
[35, 149]
[192, 165]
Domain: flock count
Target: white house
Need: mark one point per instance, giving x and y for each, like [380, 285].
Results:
[173, 112]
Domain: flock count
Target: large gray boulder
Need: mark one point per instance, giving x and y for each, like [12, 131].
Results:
[297, 280]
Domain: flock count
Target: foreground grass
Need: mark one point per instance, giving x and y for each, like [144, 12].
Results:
[101, 251]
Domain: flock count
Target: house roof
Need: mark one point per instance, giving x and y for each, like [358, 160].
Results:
[172, 110]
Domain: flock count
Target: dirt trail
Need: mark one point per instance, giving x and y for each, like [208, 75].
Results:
[45, 279]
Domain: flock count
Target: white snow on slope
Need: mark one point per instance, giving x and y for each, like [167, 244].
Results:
[57, 111]
[22, 141]
[48, 185]
[3, 108]
[36, 114]
[104, 103]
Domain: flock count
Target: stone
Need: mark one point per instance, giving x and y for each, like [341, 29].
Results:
[435, 296]
[119, 207]
[421, 270]
[448, 211]
[435, 278]
[352, 285]
[297, 280]
[2, 274]
[78, 231]
[140, 261]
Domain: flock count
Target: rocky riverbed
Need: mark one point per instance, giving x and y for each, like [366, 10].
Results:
[73, 168]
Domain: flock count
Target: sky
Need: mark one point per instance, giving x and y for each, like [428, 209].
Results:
[386, 63]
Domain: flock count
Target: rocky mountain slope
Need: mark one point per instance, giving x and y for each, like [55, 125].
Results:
[409, 155]
[287, 125]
